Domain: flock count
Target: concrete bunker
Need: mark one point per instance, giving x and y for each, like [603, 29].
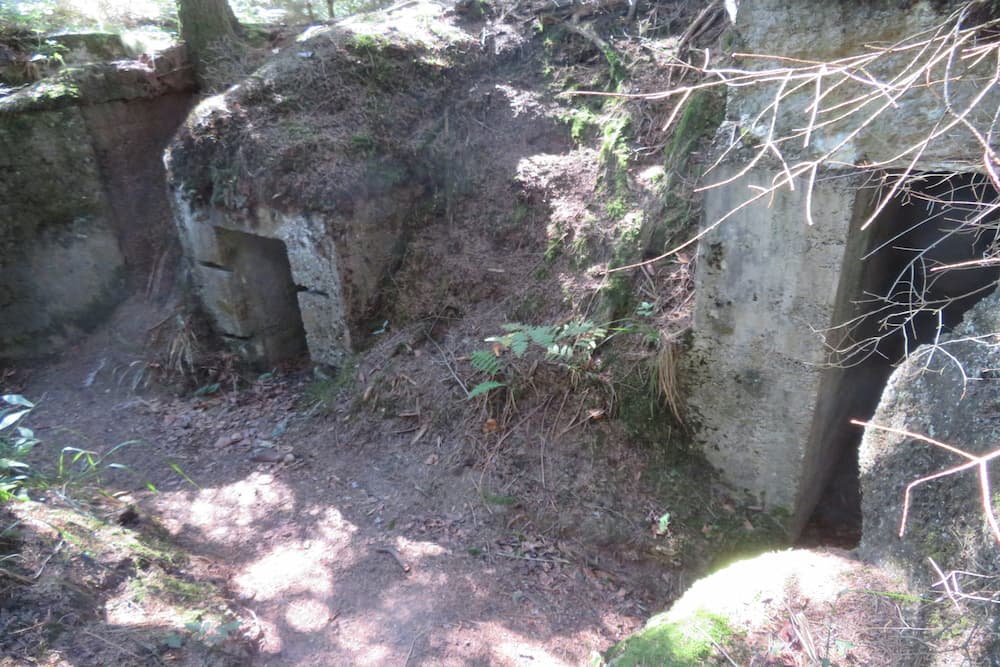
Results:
[767, 396]
[269, 281]
[797, 326]
[918, 276]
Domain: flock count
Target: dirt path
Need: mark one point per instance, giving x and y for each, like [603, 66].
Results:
[353, 537]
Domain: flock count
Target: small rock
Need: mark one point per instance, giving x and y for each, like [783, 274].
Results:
[288, 458]
[228, 439]
[267, 456]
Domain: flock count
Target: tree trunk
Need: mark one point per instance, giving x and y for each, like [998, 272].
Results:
[206, 24]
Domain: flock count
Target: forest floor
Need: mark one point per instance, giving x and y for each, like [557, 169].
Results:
[348, 535]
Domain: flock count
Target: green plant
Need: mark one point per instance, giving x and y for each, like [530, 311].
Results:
[362, 143]
[614, 154]
[77, 467]
[16, 442]
[322, 393]
[571, 344]
[581, 121]
[616, 208]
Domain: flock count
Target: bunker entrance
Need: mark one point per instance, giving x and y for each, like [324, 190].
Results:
[265, 322]
[917, 276]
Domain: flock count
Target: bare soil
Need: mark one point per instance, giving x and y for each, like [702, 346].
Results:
[385, 537]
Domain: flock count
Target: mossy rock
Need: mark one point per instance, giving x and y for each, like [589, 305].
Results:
[752, 611]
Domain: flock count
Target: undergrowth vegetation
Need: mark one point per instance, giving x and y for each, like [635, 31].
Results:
[16, 442]
[57, 514]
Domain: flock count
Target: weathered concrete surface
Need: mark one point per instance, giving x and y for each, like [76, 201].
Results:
[82, 205]
[949, 394]
[252, 294]
[768, 286]
[905, 101]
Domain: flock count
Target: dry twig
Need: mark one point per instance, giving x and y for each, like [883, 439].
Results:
[980, 462]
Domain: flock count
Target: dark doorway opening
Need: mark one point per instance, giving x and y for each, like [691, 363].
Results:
[904, 296]
[267, 310]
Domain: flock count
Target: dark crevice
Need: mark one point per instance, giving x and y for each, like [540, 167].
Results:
[308, 290]
[940, 219]
[213, 265]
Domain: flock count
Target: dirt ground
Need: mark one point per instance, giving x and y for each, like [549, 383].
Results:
[377, 541]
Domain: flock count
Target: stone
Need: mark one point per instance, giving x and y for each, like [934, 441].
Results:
[82, 207]
[949, 393]
[89, 47]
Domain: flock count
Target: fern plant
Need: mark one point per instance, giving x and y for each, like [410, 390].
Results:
[571, 344]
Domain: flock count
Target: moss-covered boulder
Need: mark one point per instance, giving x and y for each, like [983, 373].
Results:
[950, 394]
[780, 608]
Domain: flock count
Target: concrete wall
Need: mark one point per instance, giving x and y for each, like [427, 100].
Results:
[768, 408]
[251, 294]
[900, 110]
[768, 286]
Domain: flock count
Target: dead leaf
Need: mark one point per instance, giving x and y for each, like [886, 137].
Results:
[431, 460]
[596, 414]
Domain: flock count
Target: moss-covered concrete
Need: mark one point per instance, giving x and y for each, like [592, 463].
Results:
[336, 167]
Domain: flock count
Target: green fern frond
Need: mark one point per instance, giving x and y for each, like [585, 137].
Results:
[518, 343]
[484, 387]
[543, 336]
[485, 361]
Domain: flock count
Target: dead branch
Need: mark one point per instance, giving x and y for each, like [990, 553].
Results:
[980, 462]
